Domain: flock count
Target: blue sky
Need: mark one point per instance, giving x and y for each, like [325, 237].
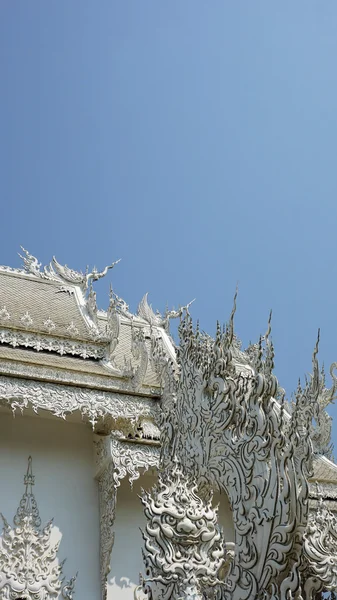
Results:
[196, 141]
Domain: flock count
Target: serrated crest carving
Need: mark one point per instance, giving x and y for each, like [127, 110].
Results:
[227, 431]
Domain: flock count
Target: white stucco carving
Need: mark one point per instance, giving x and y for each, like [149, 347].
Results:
[56, 271]
[51, 344]
[320, 551]
[28, 561]
[107, 504]
[19, 394]
[184, 551]
[227, 431]
[115, 460]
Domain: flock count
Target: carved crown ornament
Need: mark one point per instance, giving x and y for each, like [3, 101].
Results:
[29, 568]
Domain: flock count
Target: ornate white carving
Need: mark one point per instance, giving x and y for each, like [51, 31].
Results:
[4, 314]
[327, 491]
[92, 305]
[227, 431]
[19, 394]
[114, 460]
[107, 503]
[57, 272]
[72, 329]
[128, 458]
[321, 430]
[113, 324]
[30, 263]
[28, 567]
[52, 344]
[320, 551]
[145, 311]
[49, 325]
[184, 550]
[26, 319]
[121, 307]
[78, 278]
[140, 353]
[117, 382]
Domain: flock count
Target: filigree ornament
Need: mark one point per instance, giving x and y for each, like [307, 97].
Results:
[63, 400]
[145, 311]
[49, 325]
[4, 314]
[228, 432]
[320, 551]
[76, 277]
[26, 320]
[28, 561]
[114, 461]
[72, 329]
[107, 503]
[139, 352]
[320, 431]
[57, 272]
[184, 550]
[128, 459]
[52, 344]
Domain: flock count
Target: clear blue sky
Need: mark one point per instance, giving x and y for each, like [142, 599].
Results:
[195, 140]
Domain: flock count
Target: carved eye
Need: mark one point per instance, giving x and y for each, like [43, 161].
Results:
[200, 523]
[170, 520]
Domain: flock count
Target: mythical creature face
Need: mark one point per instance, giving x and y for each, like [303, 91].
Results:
[182, 539]
[185, 521]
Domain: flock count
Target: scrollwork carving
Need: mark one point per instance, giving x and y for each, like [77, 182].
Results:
[19, 394]
[227, 431]
[114, 461]
[128, 458]
[320, 551]
[27, 558]
[61, 346]
[184, 550]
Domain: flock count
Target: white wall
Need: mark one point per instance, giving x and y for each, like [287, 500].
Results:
[64, 488]
[126, 558]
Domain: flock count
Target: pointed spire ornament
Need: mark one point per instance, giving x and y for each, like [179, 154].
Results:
[29, 567]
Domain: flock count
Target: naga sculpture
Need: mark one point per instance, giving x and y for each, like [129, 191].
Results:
[225, 429]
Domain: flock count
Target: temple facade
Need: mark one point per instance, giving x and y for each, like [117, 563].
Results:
[94, 402]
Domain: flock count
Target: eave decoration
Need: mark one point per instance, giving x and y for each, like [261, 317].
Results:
[29, 569]
[230, 429]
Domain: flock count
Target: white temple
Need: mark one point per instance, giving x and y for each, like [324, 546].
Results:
[98, 405]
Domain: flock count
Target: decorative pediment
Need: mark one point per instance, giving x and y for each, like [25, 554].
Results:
[29, 568]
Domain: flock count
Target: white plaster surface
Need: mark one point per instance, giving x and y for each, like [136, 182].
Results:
[126, 558]
[64, 489]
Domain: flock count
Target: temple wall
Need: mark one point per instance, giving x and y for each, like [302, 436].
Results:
[64, 489]
[126, 558]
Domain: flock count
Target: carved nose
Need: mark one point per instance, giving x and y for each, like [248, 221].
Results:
[186, 526]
